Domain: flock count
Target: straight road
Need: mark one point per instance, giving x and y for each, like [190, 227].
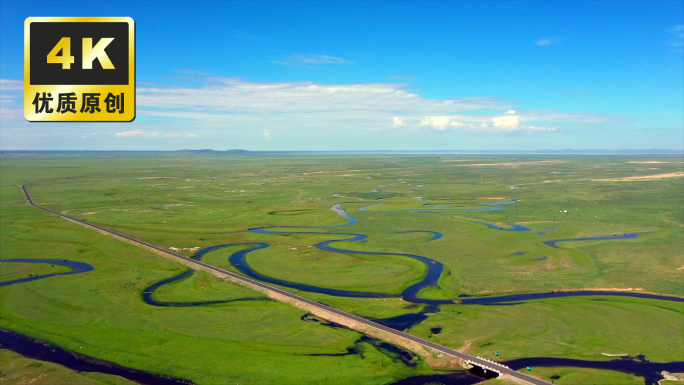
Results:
[501, 369]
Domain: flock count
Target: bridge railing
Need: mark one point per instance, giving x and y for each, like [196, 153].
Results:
[492, 368]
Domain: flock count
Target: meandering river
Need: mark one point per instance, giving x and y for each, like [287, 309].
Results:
[433, 272]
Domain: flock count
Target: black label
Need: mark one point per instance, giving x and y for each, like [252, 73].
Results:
[46, 36]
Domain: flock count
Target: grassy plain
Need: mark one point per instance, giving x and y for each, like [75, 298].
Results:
[12, 271]
[16, 369]
[101, 314]
[191, 201]
[572, 376]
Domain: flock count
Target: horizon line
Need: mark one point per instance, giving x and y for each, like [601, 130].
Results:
[653, 151]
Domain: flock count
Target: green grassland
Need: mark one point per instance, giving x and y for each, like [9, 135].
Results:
[16, 369]
[316, 267]
[101, 314]
[190, 201]
[12, 271]
[204, 287]
[569, 327]
[571, 376]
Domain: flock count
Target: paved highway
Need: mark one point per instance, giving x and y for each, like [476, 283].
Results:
[475, 360]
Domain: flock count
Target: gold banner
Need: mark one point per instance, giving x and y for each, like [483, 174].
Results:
[79, 69]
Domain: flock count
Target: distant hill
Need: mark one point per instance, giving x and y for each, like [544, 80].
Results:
[655, 151]
[210, 151]
[599, 151]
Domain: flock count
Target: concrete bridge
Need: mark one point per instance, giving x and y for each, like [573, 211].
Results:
[487, 364]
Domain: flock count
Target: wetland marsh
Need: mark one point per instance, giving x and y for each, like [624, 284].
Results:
[390, 247]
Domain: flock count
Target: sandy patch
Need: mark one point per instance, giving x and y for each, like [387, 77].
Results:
[681, 268]
[533, 269]
[642, 177]
[90, 213]
[494, 292]
[184, 249]
[174, 205]
[676, 223]
[635, 289]
[650, 162]
[514, 164]
[467, 345]
[599, 289]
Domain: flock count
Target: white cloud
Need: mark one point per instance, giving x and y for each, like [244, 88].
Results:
[562, 116]
[129, 133]
[677, 40]
[228, 103]
[503, 123]
[11, 85]
[546, 41]
[224, 107]
[237, 95]
[506, 123]
[440, 123]
[307, 60]
[188, 72]
[179, 135]
[11, 95]
[535, 128]
[397, 121]
[136, 132]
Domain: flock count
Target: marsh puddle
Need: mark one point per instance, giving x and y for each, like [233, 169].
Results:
[463, 377]
[514, 227]
[393, 352]
[553, 244]
[407, 321]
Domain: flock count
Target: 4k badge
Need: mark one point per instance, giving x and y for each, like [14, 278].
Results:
[79, 69]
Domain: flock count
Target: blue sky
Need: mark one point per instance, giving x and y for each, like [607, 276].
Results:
[377, 76]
